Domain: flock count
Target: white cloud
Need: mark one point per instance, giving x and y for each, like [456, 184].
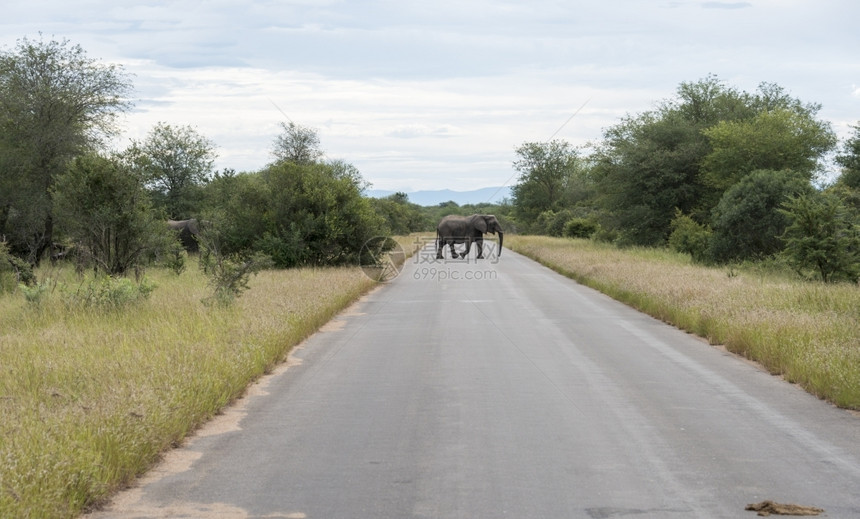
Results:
[423, 95]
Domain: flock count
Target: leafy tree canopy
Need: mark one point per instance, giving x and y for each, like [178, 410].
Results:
[646, 169]
[106, 212]
[175, 161]
[821, 236]
[849, 159]
[688, 151]
[546, 172]
[55, 104]
[298, 144]
[298, 214]
[747, 222]
[772, 139]
[402, 216]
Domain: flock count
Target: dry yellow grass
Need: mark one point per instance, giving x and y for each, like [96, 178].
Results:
[808, 332]
[89, 399]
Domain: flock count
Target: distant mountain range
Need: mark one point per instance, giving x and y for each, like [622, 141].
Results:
[478, 196]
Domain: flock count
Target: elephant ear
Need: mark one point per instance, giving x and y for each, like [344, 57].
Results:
[480, 223]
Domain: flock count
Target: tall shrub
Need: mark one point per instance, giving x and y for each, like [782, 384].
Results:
[106, 212]
[298, 214]
[690, 237]
[822, 237]
[747, 222]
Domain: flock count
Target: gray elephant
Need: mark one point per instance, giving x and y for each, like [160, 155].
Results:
[466, 229]
[188, 231]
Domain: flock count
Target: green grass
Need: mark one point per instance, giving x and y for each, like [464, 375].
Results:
[808, 332]
[91, 398]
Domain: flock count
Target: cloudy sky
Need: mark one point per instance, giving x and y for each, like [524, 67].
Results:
[434, 95]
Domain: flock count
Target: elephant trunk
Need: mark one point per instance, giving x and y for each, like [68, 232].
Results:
[501, 239]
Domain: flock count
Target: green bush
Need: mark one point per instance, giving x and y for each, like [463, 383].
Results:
[175, 259]
[822, 237]
[34, 294]
[106, 212]
[605, 235]
[229, 275]
[401, 216]
[747, 222]
[296, 214]
[579, 228]
[690, 237]
[13, 270]
[107, 293]
[551, 223]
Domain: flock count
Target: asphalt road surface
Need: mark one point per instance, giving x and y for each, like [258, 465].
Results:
[490, 389]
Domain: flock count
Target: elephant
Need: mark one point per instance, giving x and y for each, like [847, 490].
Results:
[466, 229]
[188, 231]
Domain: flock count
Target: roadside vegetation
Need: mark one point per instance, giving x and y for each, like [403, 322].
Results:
[91, 393]
[808, 332]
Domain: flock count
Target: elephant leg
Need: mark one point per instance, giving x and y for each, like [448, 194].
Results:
[468, 247]
[440, 248]
[479, 244]
[453, 250]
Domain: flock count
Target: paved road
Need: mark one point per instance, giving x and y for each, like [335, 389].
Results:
[489, 390]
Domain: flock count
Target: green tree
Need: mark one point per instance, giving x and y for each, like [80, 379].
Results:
[106, 212]
[55, 104]
[401, 216]
[236, 206]
[648, 167]
[298, 144]
[176, 162]
[849, 159]
[847, 185]
[821, 236]
[774, 139]
[747, 222]
[708, 101]
[652, 163]
[546, 173]
[298, 214]
[649, 164]
[342, 169]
